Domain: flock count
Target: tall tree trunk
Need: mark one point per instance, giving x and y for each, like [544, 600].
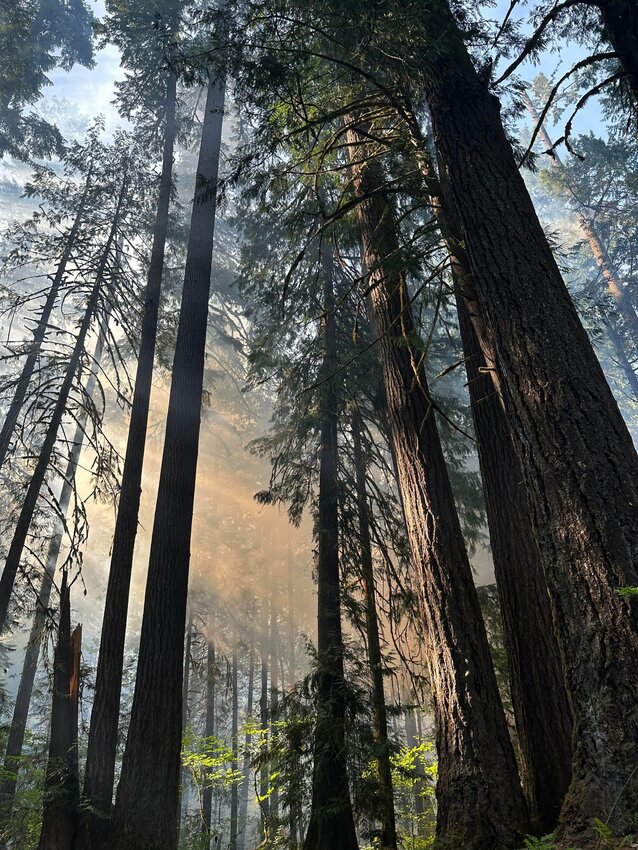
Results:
[209, 731]
[577, 455]
[274, 692]
[37, 479]
[234, 734]
[245, 785]
[61, 784]
[480, 804]
[147, 810]
[541, 707]
[331, 824]
[537, 684]
[263, 715]
[292, 665]
[39, 333]
[388, 838]
[186, 686]
[413, 740]
[620, 18]
[295, 803]
[15, 740]
[103, 730]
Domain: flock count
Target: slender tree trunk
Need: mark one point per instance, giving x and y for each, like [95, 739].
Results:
[576, 453]
[375, 658]
[209, 731]
[331, 824]
[413, 739]
[234, 791]
[103, 731]
[274, 692]
[263, 714]
[39, 334]
[292, 665]
[295, 803]
[15, 740]
[541, 708]
[245, 785]
[186, 685]
[147, 810]
[61, 785]
[480, 804]
[37, 479]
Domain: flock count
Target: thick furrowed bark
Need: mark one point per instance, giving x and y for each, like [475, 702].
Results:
[577, 456]
[480, 804]
[539, 698]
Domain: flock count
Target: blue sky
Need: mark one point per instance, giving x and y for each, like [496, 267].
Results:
[89, 91]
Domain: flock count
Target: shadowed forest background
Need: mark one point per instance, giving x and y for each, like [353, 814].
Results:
[318, 398]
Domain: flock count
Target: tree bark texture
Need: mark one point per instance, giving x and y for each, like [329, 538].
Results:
[614, 286]
[480, 804]
[539, 698]
[537, 684]
[234, 743]
[577, 456]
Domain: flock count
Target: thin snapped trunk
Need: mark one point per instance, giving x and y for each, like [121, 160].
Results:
[15, 740]
[61, 784]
